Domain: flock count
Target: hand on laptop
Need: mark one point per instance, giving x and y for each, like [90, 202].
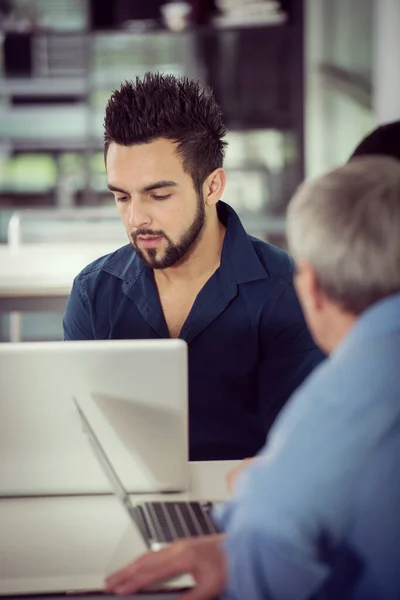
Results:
[201, 557]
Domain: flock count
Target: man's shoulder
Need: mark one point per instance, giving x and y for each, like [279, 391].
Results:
[276, 261]
[364, 376]
[259, 257]
[113, 264]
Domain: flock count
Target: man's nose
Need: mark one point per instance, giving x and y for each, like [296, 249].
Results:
[138, 216]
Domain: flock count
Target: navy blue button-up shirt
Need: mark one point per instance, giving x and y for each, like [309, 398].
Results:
[249, 347]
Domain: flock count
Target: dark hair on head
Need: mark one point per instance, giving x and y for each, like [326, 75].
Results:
[173, 108]
[384, 140]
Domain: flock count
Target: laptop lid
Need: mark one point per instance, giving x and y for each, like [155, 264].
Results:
[135, 395]
[112, 476]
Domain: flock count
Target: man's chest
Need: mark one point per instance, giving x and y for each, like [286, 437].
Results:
[223, 336]
[176, 309]
[217, 317]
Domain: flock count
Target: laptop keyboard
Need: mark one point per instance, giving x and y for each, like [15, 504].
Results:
[165, 522]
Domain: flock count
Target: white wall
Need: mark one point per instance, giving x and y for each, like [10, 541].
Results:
[338, 32]
[386, 69]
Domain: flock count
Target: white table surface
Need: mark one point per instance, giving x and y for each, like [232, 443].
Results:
[45, 269]
[71, 543]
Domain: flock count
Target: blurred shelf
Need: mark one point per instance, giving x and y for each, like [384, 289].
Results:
[7, 192]
[217, 27]
[139, 29]
[55, 145]
[28, 130]
[244, 21]
[256, 72]
[43, 86]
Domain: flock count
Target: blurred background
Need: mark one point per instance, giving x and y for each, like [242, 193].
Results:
[300, 83]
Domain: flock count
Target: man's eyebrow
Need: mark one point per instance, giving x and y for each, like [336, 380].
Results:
[157, 185]
[147, 188]
[114, 188]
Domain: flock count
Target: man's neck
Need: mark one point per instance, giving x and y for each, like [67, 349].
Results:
[340, 324]
[202, 262]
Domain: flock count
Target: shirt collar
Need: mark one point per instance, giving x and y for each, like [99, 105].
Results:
[239, 260]
[238, 254]
[124, 264]
[382, 318]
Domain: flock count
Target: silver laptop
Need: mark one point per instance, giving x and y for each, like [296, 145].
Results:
[160, 522]
[136, 398]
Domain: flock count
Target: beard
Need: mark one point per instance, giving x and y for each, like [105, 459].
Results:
[174, 252]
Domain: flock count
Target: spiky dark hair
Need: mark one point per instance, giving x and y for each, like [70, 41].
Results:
[174, 108]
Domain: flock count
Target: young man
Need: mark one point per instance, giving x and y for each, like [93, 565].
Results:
[191, 271]
[316, 514]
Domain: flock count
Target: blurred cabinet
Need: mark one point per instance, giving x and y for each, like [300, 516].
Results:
[52, 102]
[51, 123]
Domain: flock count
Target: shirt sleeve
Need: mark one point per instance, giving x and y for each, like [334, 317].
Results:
[270, 525]
[77, 322]
[375, 530]
[277, 570]
[288, 355]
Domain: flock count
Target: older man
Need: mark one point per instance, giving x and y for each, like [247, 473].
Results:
[317, 514]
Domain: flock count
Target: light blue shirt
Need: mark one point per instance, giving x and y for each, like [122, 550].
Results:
[318, 514]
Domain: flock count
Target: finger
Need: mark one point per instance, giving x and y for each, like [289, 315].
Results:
[197, 594]
[118, 578]
[208, 589]
[142, 579]
[143, 562]
[151, 568]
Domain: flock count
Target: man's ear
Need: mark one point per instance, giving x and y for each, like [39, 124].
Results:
[214, 187]
[308, 288]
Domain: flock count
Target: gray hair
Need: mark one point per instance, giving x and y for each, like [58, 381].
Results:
[346, 224]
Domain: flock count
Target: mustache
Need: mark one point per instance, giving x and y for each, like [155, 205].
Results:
[148, 232]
